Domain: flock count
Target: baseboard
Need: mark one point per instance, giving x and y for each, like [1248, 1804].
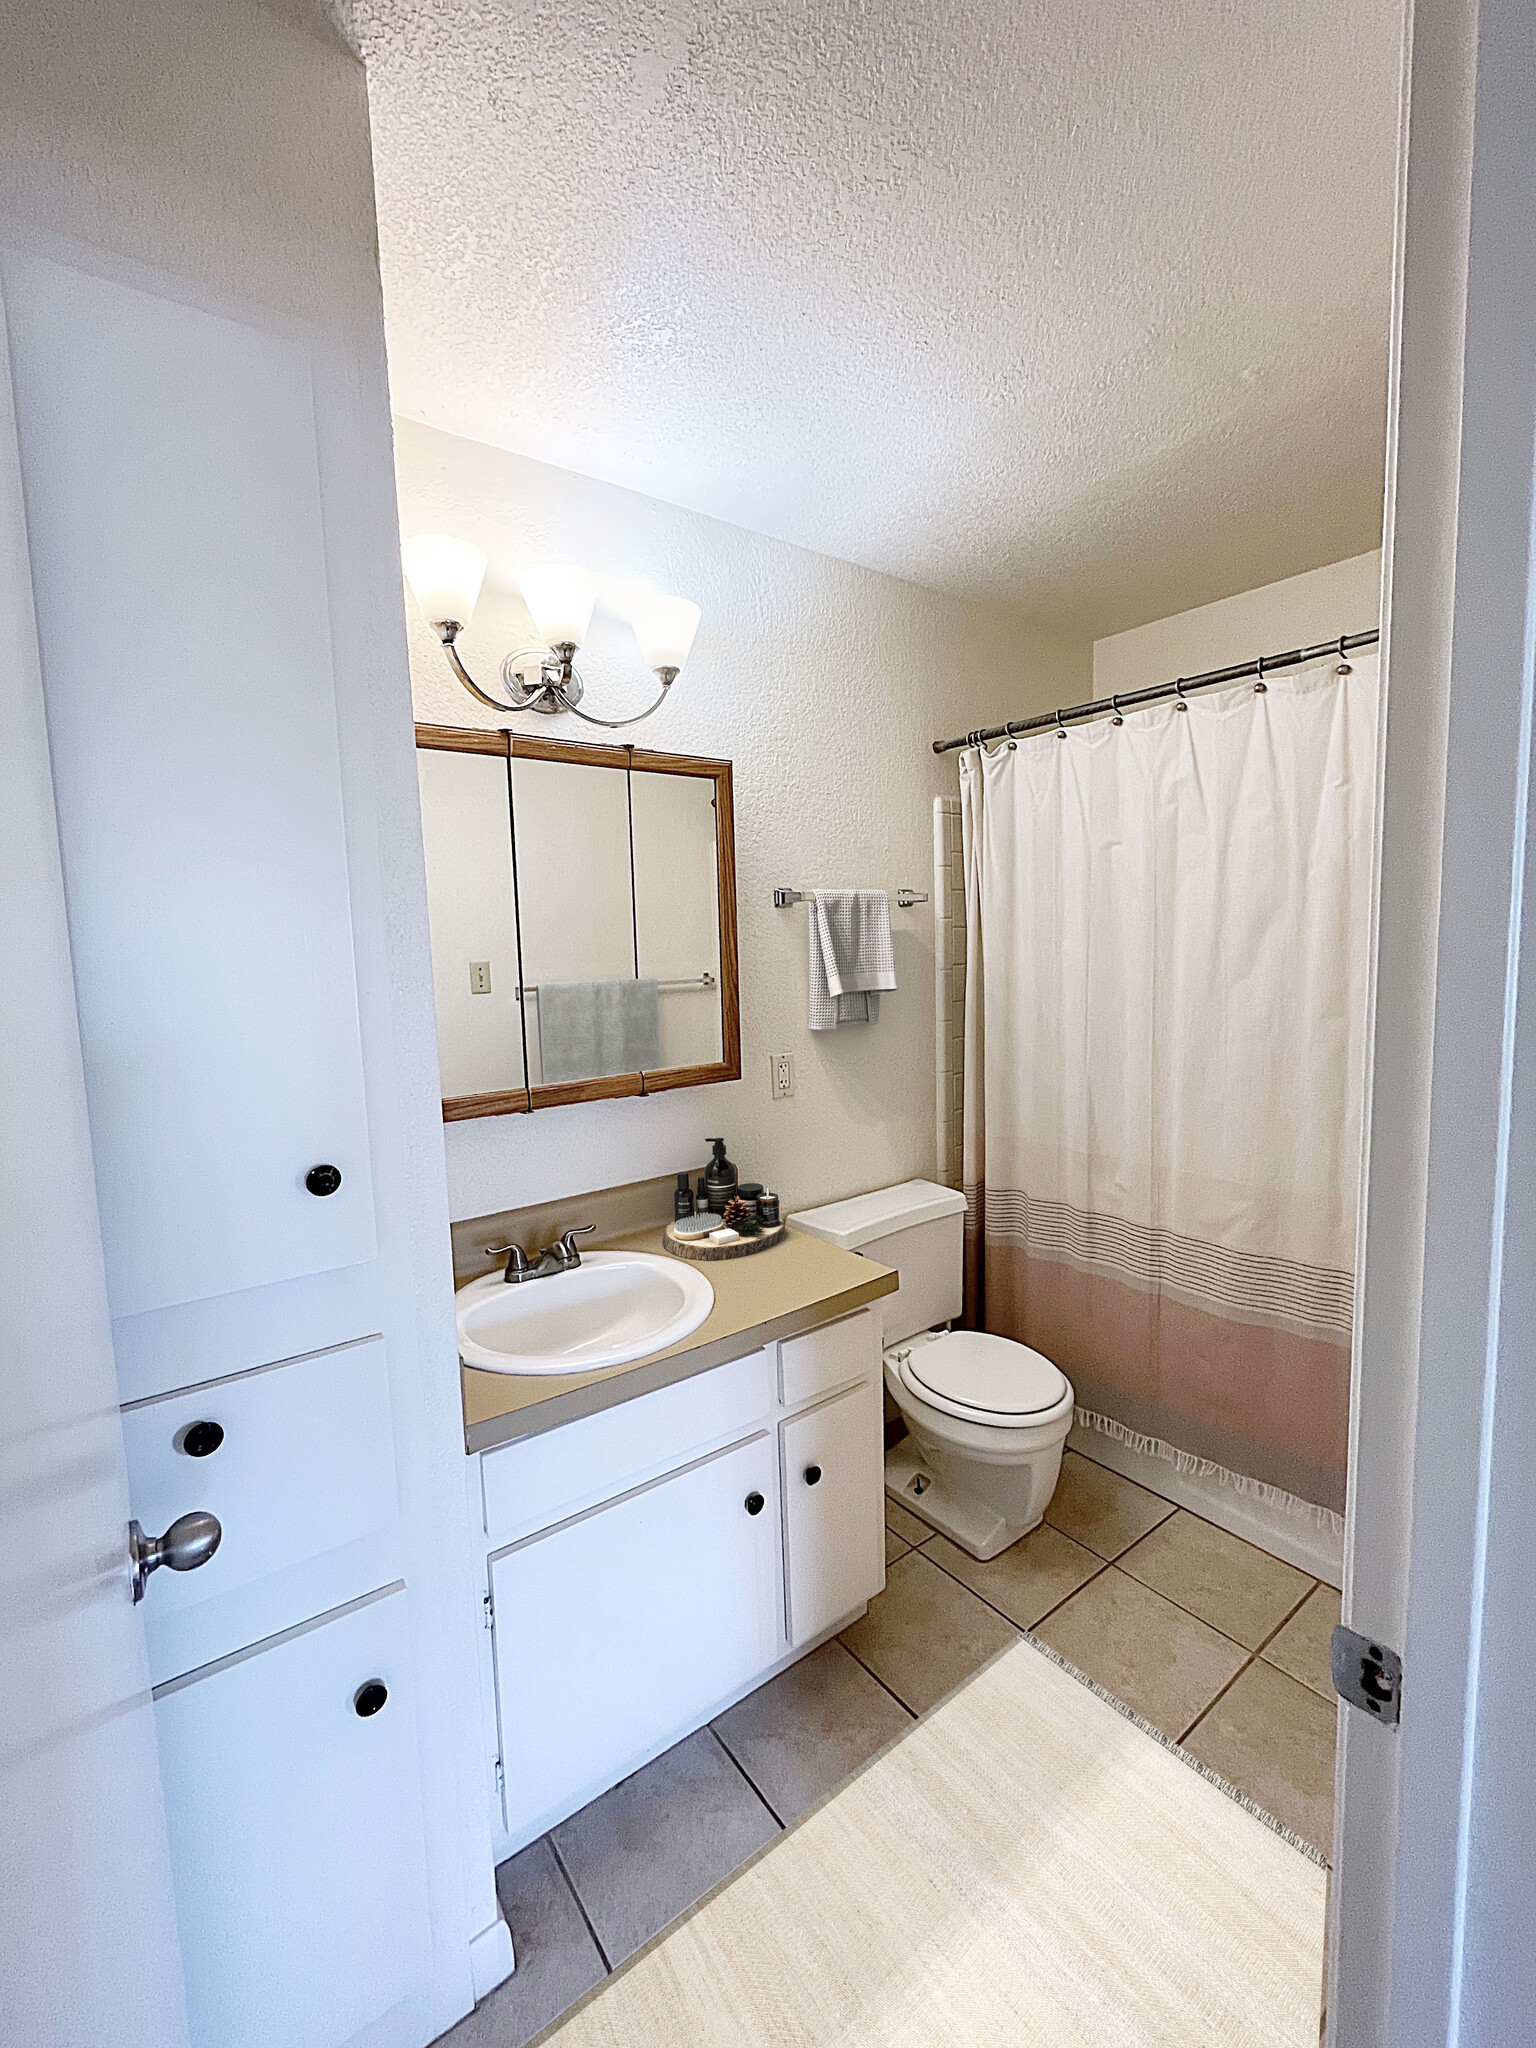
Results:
[1294, 1539]
[491, 1960]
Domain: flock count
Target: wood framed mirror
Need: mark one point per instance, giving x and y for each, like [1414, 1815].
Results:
[582, 902]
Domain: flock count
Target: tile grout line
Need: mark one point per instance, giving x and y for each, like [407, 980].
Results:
[896, 1696]
[746, 1776]
[1217, 1697]
[581, 1904]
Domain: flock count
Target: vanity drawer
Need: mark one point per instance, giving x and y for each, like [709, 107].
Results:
[541, 1479]
[833, 1356]
[298, 1463]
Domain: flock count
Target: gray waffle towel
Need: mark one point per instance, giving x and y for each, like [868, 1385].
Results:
[588, 1028]
[851, 958]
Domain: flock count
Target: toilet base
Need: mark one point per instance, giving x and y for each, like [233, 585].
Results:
[978, 1529]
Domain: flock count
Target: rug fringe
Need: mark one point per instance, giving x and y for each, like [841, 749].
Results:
[1206, 1468]
[1278, 1827]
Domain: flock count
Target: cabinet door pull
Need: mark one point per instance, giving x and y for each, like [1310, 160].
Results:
[369, 1697]
[200, 1439]
[754, 1503]
[323, 1180]
[812, 1474]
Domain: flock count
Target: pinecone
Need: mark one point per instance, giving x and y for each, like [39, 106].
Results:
[741, 1216]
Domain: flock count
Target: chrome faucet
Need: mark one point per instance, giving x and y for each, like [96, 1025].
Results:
[560, 1257]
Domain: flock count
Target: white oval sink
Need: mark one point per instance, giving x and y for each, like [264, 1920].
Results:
[613, 1308]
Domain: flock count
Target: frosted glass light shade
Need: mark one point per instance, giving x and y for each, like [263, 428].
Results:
[560, 603]
[445, 576]
[665, 627]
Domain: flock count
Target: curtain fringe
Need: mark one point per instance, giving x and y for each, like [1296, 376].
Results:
[1195, 1467]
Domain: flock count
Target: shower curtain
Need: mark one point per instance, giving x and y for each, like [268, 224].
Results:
[1167, 949]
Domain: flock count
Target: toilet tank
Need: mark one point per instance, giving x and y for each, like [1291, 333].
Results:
[919, 1228]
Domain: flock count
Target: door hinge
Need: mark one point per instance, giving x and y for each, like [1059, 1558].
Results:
[501, 1779]
[1367, 1675]
[485, 1604]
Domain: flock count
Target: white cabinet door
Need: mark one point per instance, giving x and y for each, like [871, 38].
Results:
[174, 520]
[834, 1471]
[298, 1464]
[618, 1632]
[296, 1834]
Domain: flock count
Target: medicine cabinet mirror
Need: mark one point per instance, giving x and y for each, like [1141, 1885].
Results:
[582, 902]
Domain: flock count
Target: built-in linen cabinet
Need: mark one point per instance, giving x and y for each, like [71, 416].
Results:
[186, 471]
[648, 1565]
[300, 1867]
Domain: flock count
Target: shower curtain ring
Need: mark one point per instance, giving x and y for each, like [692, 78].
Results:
[1118, 718]
[1260, 685]
[1178, 691]
[1345, 668]
[1061, 730]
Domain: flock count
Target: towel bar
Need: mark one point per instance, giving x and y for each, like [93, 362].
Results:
[905, 898]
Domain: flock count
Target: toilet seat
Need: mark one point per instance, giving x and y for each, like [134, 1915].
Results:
[983, 1379]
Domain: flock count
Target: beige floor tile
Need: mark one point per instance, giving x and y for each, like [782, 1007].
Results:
[1143, 1649]
[1301, 1648]
[1233, 1585]
[907, 1527]
[895, 1546]
[1036, 1574]
[1272, 1738]
[807, 1731]
[1100, 1510]
[926, 1632]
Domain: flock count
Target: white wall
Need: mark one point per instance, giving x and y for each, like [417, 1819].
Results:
[824, 684]
[1344, 597]
[225, 144]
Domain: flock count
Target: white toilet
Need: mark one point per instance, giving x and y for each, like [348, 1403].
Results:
[988, 1417]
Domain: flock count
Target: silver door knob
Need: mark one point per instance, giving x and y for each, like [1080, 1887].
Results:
[190, 1541]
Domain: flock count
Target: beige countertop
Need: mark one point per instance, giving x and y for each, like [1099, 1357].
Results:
[791, 1287]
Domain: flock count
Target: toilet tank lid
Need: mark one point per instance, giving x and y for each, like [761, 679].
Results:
[863, 1218]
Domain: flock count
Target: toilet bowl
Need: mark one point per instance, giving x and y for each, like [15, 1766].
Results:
[986, 1418]
[986, 1421]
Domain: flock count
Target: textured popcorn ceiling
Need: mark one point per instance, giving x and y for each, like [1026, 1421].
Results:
[1079, 306]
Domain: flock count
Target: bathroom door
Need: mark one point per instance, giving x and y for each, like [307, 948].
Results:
[88, 1941]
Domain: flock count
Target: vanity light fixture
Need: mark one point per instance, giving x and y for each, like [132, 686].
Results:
[446, 575]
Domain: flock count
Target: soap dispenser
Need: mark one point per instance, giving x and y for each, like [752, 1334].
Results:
[719, 1179]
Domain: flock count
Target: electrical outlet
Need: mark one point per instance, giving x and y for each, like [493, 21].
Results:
[479, 977]
[781, 1072]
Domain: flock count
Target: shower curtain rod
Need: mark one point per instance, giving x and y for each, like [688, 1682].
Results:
[1080, 713]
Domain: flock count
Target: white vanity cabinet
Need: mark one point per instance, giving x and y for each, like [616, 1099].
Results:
[834, 1510]
[614, 1629]
[649, 1565]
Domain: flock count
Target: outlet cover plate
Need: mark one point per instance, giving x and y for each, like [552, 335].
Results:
[781, 1074]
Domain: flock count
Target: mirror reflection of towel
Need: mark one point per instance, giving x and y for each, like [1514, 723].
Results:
[851, 956]
[590, 1028]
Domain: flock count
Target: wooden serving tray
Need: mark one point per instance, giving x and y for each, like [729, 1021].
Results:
[701, 1248]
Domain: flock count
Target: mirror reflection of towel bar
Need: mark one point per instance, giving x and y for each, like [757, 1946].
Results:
[905, 898]
[695, 981]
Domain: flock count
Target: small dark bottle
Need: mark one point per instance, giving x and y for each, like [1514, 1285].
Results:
[682, 1198]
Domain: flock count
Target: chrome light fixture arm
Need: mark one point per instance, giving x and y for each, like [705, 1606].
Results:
[668, 678]
[559, 687]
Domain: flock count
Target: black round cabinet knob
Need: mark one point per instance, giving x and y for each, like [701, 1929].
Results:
[754, 1503]
[369, 1698]
[812, 1474]
[201, 1439]
[323, 1180]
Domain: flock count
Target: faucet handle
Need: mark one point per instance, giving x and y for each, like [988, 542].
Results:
[517, 1259]
[566, 1249]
